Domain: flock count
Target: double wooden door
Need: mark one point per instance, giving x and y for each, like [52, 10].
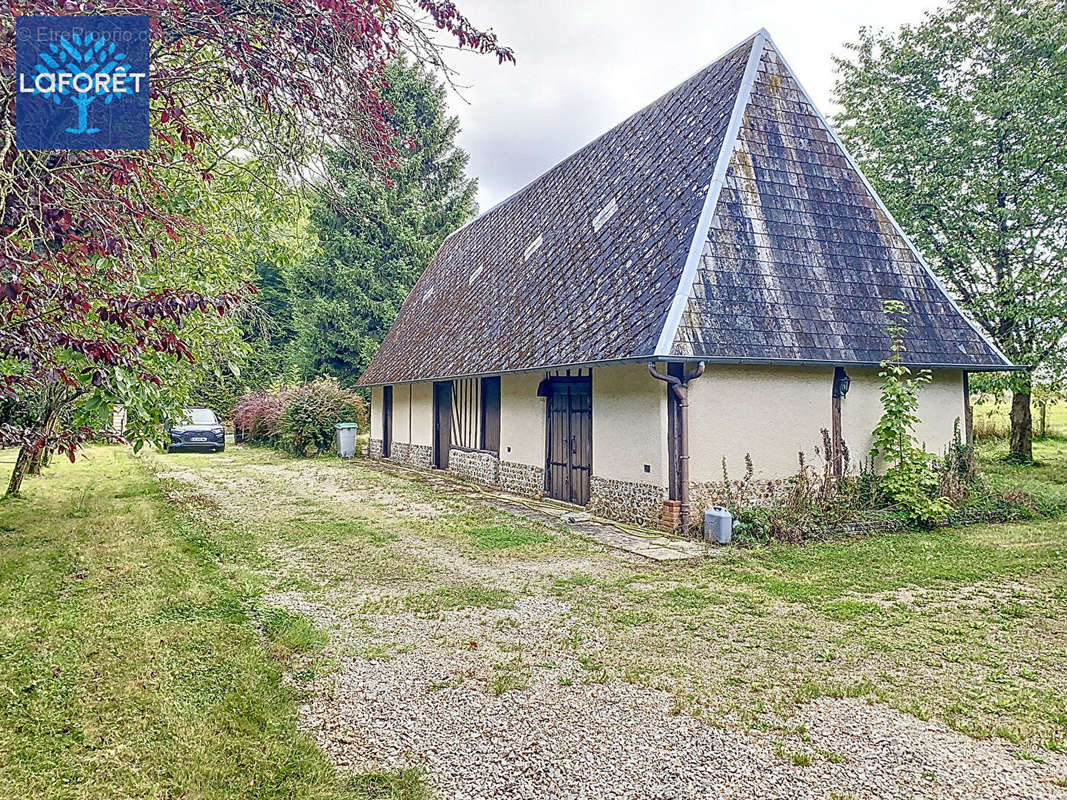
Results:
[569, 439]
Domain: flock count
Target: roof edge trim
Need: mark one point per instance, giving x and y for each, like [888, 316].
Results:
[726, 360]
[882, 207]
[711, 200]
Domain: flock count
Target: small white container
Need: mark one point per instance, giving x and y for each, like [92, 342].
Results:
[718, 525]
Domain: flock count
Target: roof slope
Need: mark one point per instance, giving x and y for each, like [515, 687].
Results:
[800, 254]
[724, 221]
[588, 292]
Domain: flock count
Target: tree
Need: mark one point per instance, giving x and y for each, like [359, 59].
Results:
[958, 122]
[376, 239]
[272, 235]
[94, 308]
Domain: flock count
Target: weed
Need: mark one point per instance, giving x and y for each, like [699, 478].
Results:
[796, 757]
[510, 675]
[293, 632]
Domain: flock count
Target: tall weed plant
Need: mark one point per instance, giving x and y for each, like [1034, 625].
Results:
[908, 479]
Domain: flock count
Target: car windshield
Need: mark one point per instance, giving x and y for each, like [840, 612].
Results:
[200, 416]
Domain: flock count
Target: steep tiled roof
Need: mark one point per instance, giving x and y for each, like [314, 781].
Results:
[800, 254]
[723, 221]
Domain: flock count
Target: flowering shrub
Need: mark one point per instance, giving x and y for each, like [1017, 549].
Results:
[301, 419]
[310, 413]
[258, 415]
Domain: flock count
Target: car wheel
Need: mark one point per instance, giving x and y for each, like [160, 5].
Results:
[221, 448]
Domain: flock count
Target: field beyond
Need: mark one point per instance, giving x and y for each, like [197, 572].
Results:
[992, 421]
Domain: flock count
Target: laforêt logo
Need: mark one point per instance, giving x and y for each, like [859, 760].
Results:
[81, 83]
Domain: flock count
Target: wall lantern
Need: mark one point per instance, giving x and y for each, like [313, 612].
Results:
[841, 382]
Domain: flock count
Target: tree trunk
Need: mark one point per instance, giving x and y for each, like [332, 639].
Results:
[1021, 442]
[14, 486]
[40, 457]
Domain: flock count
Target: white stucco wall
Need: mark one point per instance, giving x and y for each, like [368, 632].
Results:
[940, 403]
[420, 422]
[860, 410]
[629, 424]
[376, 412]
[412, 413]
[769, 412]
[522, 419]
[401, 401]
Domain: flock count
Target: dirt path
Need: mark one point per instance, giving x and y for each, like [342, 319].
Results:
[469, 660]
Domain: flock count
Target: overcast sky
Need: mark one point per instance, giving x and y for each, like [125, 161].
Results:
[585, 65]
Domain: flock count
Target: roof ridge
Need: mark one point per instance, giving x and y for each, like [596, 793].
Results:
[612, 129]
[711, 200]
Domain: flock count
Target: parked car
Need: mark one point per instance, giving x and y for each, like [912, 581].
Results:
[199, 429]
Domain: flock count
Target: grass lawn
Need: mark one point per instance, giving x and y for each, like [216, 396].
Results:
[129, 663]
[1045, 480]
[961, 625]
[142, 649]
[964, 626]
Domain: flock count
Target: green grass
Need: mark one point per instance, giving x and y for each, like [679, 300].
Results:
[794, 757]
[129, 663]
[503, 537]
[509, 676]
[293, 633]
[960, 625]
[956, 625]
[1045, 480]
[451, 598]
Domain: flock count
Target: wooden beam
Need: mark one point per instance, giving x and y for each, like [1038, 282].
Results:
[968, 418]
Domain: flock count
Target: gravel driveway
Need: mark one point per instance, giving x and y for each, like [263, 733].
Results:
[507, 697]
[434, 704]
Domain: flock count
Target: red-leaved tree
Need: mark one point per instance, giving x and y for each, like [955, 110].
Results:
[86, 318]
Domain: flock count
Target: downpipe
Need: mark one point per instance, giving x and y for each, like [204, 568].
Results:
[680, 388]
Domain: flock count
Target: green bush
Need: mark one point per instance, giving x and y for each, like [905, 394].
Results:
[310, 413]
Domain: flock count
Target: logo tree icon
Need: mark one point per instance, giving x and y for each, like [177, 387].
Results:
[89, 55]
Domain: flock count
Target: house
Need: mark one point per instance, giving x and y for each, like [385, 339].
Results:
[701, 286]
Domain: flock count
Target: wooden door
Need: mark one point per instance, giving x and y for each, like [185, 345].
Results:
[557, 444]
[387, 421]
[442, 423]
[569, 440]
[581, 425]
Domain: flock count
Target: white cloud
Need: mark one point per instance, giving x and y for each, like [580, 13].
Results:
[585, 66]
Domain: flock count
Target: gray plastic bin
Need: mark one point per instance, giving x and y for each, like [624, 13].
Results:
[346, 439]
[718, 525]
